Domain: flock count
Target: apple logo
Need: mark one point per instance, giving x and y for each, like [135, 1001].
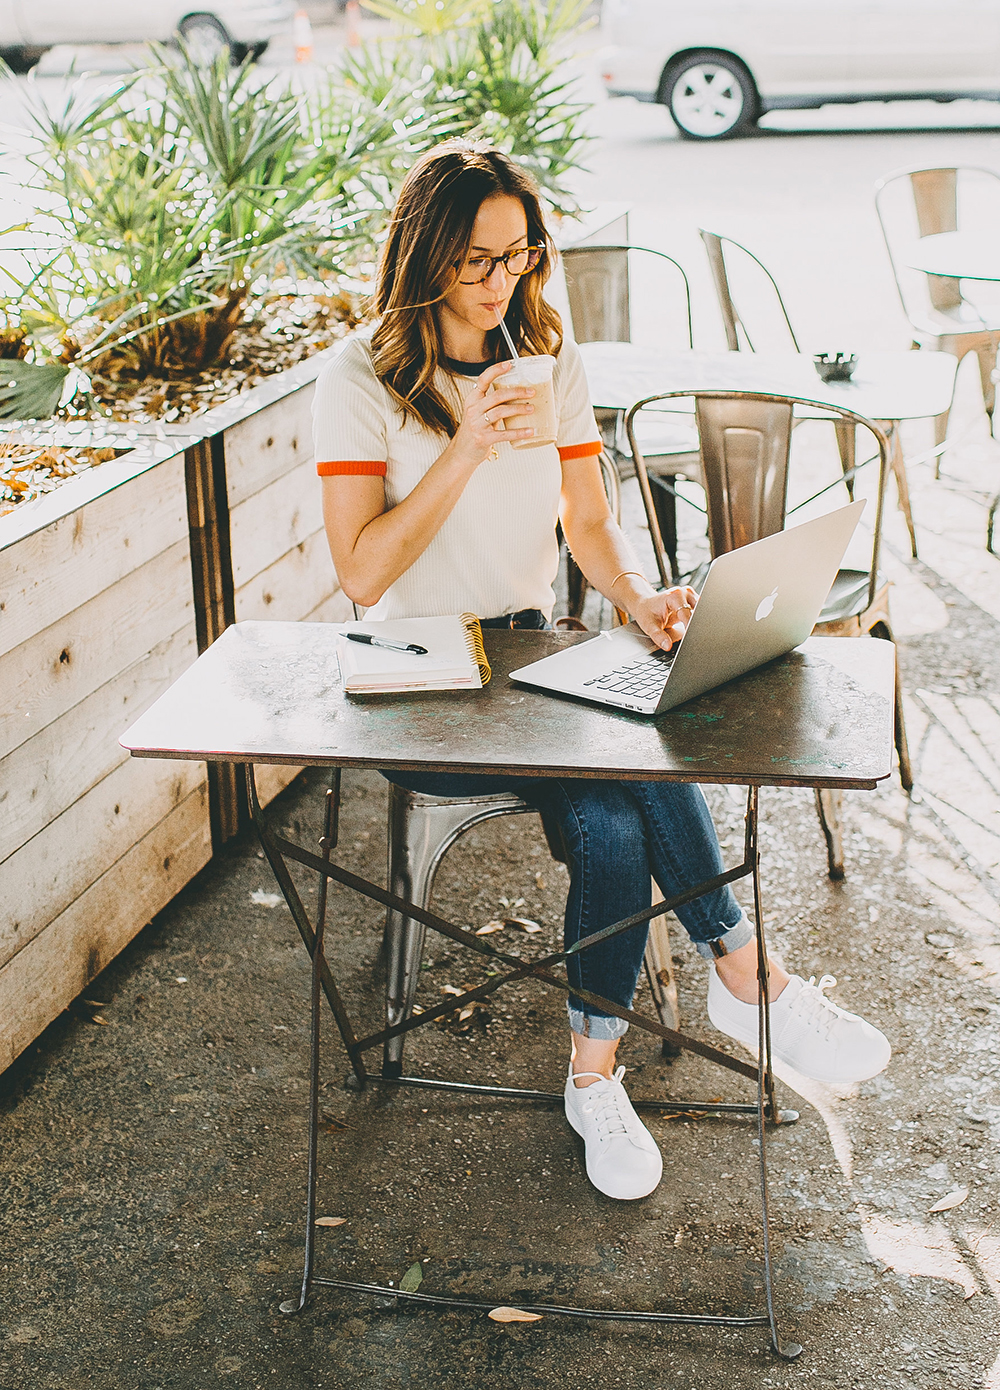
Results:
[766, 604]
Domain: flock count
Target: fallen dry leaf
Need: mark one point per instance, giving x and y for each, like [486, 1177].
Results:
[953, 1199]
[330, 1221]
[490, 927]
[450, 989]
[96, 1018]
[539, 882]
[524, 924]
[412, 1279]
[513, 1315]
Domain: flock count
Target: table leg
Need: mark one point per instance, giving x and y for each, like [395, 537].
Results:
[322, 982]
[765, 1084]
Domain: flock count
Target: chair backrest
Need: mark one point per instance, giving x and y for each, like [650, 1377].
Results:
[737, 335]
[598, 286]
[934, 198]
[745, 445]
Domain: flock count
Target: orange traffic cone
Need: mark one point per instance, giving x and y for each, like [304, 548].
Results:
[302, 37]
[353, 19]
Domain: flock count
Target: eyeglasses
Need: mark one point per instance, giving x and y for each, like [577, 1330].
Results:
[514, 263]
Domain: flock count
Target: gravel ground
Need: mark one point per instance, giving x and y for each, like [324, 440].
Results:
[155, 1164]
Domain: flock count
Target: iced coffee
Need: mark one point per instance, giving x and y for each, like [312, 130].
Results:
[535, 372]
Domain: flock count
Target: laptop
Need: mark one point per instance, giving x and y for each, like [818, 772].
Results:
[757, 603]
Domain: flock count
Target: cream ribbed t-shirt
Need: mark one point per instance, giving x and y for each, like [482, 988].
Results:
[496, 552]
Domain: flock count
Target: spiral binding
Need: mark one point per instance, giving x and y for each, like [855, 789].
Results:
[474, 637]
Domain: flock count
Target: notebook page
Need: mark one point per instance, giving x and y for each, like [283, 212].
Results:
[447, 665]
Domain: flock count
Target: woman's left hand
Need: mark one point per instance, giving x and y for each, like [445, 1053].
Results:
[665, 616]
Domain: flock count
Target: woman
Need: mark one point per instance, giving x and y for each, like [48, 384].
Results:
[430, 510]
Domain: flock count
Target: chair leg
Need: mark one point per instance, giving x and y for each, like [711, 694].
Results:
[847, 434]
[987, 355]
[828, 807]
[898, 463]
[665, 504]
[882, 631]
[576, 588]
[659, 964]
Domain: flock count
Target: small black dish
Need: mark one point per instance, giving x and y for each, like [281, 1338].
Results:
[837, 366]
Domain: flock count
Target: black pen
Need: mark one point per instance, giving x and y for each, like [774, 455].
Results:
[384, 642]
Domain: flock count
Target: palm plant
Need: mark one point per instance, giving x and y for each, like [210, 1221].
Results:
[163, 204]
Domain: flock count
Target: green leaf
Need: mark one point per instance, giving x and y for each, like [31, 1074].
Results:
[30, 390]
[412, 1279]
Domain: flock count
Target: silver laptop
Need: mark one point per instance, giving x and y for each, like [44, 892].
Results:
[757, 603]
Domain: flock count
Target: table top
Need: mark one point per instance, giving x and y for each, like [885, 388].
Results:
[885, 385]
[270, 692]
[958, 255]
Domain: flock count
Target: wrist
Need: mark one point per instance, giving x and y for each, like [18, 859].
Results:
[629, 588]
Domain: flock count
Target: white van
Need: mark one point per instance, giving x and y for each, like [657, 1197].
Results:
[720, 64]
[29, 27]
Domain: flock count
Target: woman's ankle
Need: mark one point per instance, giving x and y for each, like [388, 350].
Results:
[590, 1055]
[738, 972]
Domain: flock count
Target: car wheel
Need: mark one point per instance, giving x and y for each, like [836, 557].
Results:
[205, 37]
[710, 96]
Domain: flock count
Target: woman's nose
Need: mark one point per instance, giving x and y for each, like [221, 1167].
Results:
[497, 278]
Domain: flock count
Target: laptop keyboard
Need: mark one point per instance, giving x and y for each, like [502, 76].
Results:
[644, 678]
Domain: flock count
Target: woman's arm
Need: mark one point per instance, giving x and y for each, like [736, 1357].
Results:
[372, 546]
[604, 555]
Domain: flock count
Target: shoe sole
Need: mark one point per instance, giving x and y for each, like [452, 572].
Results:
[829, 1078]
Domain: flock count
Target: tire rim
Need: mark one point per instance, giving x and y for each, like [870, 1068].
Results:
[204, 43]
[707, 100]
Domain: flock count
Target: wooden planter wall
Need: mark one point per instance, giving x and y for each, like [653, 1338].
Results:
[109, 588]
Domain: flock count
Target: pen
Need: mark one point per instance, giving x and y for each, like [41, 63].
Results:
[384, 642]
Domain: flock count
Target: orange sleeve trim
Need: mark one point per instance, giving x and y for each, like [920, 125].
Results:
[366, 468]
[581, 451]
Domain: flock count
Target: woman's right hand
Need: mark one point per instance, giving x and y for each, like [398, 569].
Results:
[478, 434]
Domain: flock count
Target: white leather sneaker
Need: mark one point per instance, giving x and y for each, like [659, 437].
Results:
[817, 1038]
[622, 1158]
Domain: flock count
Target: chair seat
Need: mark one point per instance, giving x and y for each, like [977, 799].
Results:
[669, 447]
[848, 596]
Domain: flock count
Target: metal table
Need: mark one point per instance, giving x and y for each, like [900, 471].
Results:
[822, 716]
[887, 387]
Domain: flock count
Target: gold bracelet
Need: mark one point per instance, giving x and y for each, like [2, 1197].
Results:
[637, 574]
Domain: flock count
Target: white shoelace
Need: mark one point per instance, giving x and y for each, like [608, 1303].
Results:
[605, 1106]
[813, 1007]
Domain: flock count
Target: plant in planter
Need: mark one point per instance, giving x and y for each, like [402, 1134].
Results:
[498, 68]
[177, 211]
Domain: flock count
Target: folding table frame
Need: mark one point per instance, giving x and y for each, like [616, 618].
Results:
[279, 850]
[269, 693]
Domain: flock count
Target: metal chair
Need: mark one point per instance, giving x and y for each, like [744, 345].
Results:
[941, 315]
[745, 441]
[738, 339]
[598, 285]
[421, 831]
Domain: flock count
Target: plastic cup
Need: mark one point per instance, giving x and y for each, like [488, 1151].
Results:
[535, 372]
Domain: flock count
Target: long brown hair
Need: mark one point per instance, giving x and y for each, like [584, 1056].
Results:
[429, 238]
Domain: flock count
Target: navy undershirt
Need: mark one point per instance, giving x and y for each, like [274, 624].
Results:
[466, 368]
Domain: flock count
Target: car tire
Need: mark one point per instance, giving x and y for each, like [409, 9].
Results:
[711, 96]
[205, 37]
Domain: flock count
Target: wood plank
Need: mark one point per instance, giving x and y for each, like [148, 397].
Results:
[40, 981]
[272, 521]
[87, 551]
[43, 877]
[62, 762]
[51, 672]
[293, 586]
[269, 445]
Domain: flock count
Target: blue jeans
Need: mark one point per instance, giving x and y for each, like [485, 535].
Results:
[617, 835]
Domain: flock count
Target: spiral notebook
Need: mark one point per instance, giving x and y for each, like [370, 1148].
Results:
[455, 659]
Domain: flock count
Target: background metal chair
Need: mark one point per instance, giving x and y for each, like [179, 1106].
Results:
[745, 441]
[421, 831]
[738, 339]
[599, 288]
[919, 202]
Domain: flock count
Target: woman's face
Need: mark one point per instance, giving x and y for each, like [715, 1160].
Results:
[500, 226]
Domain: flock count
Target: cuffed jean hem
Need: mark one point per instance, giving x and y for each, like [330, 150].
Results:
[730, 940]
[598, 1026]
